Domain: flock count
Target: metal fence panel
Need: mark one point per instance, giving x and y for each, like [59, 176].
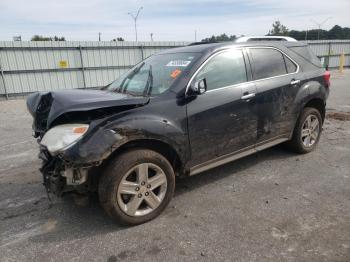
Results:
[43, 66]
[330, 51]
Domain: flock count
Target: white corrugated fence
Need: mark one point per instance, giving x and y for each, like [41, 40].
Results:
[330, 50]
[27, 67]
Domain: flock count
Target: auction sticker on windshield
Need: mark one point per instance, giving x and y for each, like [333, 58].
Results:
[175, 73]
[178, 63]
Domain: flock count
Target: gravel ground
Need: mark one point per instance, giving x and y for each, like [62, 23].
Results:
[272, 206]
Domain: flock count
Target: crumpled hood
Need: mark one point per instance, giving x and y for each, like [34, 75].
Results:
[48, 106]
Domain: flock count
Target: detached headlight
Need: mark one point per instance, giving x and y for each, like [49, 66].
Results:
[62, 137]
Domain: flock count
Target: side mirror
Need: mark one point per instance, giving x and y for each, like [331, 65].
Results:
[199, 87]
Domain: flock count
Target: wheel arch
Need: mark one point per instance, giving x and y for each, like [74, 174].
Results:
[314, 102]
[161, 147]
[318, 104]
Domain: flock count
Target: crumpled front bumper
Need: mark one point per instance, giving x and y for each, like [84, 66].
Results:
[60, 177]
[51, 170]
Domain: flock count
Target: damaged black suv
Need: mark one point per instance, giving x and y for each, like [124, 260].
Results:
[178, 113]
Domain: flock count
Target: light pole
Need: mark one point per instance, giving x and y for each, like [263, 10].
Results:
[134, 17]
[319, 26]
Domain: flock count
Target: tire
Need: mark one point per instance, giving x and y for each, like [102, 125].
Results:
[298, 143]
[121, 188]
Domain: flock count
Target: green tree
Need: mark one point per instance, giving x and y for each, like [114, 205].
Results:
[45, 38]
[278, 29]
[219, 38]
[336, 32]
[119, 39]
[56, 38]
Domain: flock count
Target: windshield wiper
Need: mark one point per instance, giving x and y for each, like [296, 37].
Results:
[136, 69]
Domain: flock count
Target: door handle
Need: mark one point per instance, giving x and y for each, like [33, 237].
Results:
[294, 82]
[248, 96]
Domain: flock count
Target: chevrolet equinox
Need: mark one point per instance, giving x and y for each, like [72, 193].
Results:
[178, 113]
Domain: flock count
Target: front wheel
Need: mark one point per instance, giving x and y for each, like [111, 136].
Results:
[137, 186]
[307, 131]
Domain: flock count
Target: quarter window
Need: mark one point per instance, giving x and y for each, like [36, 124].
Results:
[267, 62]
[225, 69]
[291, 67]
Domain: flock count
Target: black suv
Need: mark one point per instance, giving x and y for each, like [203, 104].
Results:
[178, 113]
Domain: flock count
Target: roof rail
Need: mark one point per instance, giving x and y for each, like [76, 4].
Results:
[265, 38]
[203, 43]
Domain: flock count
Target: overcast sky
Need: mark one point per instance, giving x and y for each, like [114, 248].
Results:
[168, 20]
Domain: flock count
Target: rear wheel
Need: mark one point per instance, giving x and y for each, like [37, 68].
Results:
[307, 131]
[137, 186]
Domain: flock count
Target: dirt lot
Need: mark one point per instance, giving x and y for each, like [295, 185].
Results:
[273, 206]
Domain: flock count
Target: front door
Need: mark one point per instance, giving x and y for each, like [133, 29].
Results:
[222, 120]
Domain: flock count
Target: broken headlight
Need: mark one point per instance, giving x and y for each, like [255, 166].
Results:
[61, 137]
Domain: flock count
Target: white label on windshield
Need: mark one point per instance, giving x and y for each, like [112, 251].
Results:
[182, 63]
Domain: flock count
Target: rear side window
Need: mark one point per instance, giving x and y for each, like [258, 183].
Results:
[267, 62]
[225, 69]
[306, 53]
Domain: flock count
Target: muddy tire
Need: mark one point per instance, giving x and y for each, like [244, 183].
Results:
[136, 186]
[307, 131]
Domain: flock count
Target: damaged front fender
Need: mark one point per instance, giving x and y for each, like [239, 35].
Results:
[104, 138]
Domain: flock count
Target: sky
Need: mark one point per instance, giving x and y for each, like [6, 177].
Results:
[175, 20]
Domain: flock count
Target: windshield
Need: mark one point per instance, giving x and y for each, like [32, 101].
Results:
[154, 75]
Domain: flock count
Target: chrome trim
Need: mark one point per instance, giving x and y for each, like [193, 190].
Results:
[236, 155]
[264, 145]
[252, 81]
[295, 82]
[245, 97]
[253, 38]
[220, 161]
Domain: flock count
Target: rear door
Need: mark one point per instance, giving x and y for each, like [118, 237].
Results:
[220, 121]
[277, 80]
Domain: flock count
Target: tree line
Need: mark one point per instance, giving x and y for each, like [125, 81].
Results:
[278, 29]
[336, 32]
[62, 38]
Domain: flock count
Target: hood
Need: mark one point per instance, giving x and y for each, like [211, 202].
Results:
[48, 106]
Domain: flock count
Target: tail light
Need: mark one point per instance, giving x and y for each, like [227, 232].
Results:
[327, 78]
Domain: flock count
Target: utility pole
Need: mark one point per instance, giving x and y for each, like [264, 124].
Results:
[319, 25]
[99, 36]
[134, 17]
[151, 37]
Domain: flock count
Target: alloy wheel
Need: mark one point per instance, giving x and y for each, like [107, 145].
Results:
[310, 130]
[142, 189]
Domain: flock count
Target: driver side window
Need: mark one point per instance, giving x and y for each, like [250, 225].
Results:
[224, 69]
